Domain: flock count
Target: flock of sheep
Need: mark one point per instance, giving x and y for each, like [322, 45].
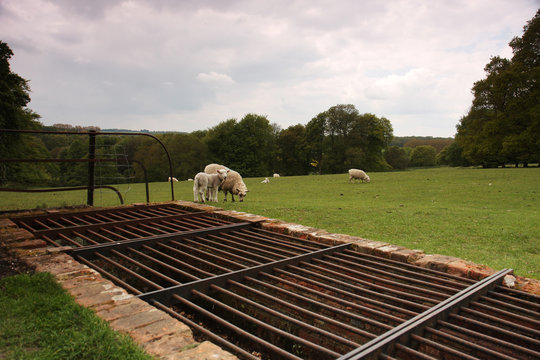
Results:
[215, 177]
[218, 177]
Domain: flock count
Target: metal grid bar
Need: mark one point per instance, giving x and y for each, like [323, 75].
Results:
[291, 298]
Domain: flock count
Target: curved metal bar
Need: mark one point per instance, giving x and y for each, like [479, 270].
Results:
[93, 132]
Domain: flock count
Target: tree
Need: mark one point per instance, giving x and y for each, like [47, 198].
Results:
[423, 155]
[341, 138]
[292, 152]
[247, 146]
[14, 96]
[503, 124]
[396, 157]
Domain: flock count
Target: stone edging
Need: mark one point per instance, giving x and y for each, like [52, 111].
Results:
[163, 336]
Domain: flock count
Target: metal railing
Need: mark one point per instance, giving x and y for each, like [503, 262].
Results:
[92, 134]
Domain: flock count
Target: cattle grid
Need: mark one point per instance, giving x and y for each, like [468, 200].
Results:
[261, 294]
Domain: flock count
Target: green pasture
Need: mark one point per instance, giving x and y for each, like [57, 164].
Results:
[488, 216]
[40, 320]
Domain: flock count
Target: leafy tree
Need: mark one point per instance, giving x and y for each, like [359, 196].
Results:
[189, 155]
[423, 155]
[292, 154]
[437, 143]
[503, 124]
[74, 174]
[341, 138]
[14, 96]
[247, 146]
[452, 155]
[397, 157]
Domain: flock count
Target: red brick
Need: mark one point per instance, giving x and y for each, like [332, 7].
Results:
[406, 255]
[205, 350]
[139, 319]
[387, 250]
[163, 328]
[7, 223]
[123, 310]
[27, 244]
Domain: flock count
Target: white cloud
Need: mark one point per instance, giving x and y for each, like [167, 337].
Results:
[214, 77]
[169, 65]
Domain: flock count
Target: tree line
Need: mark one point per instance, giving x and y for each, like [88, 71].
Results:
[501, 127]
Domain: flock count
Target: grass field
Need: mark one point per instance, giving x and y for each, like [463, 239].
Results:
[40, 320]
[488, 216]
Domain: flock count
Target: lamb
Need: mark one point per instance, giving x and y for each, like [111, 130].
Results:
[276, 175]
[233, 184]
[355, 174]
[208, 184]
[265, 181]
[173, 179]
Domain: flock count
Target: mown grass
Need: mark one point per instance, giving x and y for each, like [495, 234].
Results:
[488, 216]
[39, 320]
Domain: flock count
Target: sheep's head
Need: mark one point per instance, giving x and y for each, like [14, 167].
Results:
[367, 178]
[241, 192]
[222, 174]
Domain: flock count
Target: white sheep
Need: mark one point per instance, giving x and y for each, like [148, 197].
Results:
[208, 184]
[265, 181]
[233, 184]
[173, 179]
[355, 174]
[276, 175]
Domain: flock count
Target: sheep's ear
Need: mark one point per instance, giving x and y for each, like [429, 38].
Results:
[228, 171]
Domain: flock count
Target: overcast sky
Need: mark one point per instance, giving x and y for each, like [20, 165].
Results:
[188, 65]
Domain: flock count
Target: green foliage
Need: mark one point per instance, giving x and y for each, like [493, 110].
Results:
[397, 157]
[39, 320]
[14, 96]
[452, 155]
[247, 146]
[423, 155]
[340, 138]
[503, 124]
[293, 151]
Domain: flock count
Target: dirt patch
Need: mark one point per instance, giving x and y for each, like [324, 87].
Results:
[11, 265]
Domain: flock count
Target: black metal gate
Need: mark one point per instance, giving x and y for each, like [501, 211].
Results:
[262, 294]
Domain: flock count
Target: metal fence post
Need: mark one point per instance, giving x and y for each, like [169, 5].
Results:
[91, 167]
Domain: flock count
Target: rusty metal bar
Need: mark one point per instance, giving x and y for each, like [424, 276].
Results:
[348, 314]
[94, 133]
[164, 296]
[333, 299]
[307, 313]
[363, 299]
[402, 333]
[265, 344]
[156, 238]
[395, 298]
[262, 324]
[202, 330]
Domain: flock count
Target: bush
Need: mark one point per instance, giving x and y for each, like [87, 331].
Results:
[423, 155]
[397, 157]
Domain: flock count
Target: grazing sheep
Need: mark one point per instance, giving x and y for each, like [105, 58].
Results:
[265, 181]
[208, 184]
[355, 174]
[276, 175]
[233, 184]
[190, 179]
[173, 179]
